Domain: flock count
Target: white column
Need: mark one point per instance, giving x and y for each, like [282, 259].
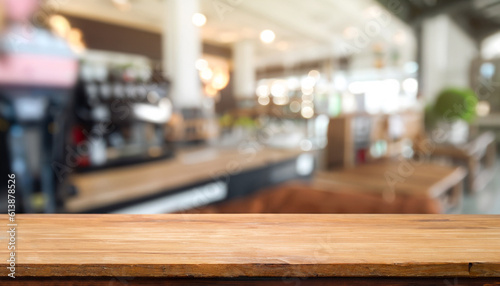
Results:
[244, 69]
[181, 48]
[446, 56]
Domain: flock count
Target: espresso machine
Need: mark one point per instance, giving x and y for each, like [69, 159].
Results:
[121, 117]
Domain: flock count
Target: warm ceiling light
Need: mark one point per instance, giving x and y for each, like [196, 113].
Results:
[279, 88]
[280, 100]
[264, 100]
[307, 112]
[199, 20]
[295, 106]
[263, 90]
[201, 64]
[206, 75]
[60, 25]
[314, 74]
[267, 36]
[220, 80]
[122, 4]
[210, 91]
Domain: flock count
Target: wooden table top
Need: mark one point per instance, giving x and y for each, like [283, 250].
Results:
[98, 189]
[289, 245]
[430, 180]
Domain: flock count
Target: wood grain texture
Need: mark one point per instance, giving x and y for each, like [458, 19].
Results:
[408, 177]
[128, 183]
[229, 246]
[288, 281]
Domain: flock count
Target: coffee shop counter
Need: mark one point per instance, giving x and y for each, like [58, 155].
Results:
[193, 178]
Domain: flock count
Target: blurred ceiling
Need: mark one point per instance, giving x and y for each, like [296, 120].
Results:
[479, 18]
[304, 29]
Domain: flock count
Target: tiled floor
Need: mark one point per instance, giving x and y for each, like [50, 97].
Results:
[486, 201]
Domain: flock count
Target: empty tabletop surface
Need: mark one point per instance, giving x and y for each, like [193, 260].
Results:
[402, 177]
[255, 245]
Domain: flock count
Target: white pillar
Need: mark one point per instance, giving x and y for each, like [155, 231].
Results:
[244, 69]
[447, 54]
[181, 48]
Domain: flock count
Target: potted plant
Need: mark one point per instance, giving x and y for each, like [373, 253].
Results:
[451, 114]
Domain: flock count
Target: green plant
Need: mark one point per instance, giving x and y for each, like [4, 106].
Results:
[229, 121]
[454, 104]
[430, 118]
[245, 121]
[226, 121]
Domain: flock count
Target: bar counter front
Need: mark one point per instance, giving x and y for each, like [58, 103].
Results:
[253, 249]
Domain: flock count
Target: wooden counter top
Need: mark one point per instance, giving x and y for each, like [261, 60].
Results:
[98, 189]
[228, 246]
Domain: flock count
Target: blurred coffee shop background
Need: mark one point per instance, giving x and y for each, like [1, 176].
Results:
[262, 106]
